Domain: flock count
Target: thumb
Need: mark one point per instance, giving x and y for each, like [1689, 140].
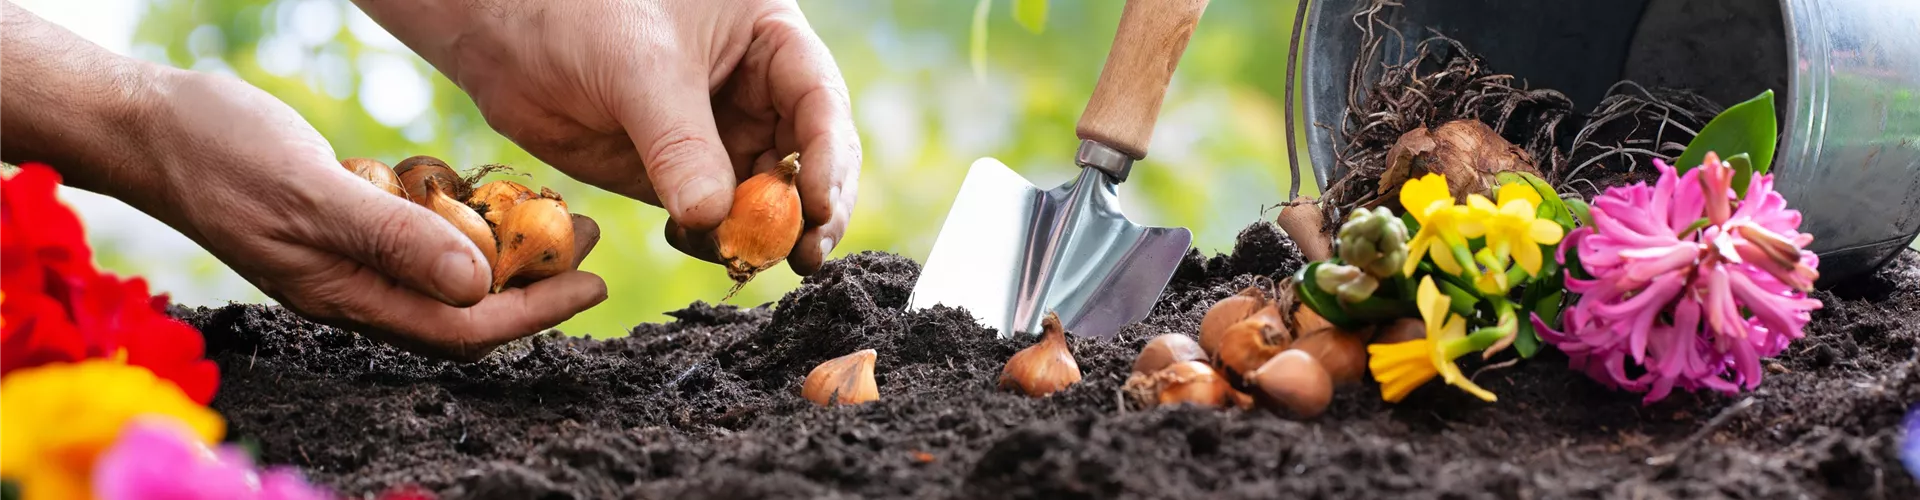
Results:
[409, 244]
[671, 123]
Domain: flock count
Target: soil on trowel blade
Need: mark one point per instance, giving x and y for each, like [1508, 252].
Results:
[708, 407]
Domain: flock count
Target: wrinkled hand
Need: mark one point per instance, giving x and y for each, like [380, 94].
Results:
[671, 102]
[247, 178]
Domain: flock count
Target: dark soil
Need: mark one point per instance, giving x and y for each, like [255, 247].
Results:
[708, 406]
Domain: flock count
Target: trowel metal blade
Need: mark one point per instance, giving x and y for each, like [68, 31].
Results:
[1010, 252]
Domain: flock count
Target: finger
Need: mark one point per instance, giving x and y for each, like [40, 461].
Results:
[599, 158]
[586, 234]
[670, 121]
[698, 245]
[808, 89]
[402, 241]
[815, 247]
[748, 134]
[418, 324]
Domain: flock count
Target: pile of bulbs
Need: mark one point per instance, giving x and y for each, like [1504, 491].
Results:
[1249, 353]
[526, 236]
[1255, 348]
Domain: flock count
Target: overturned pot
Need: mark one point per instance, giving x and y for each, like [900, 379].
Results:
[1845, 73]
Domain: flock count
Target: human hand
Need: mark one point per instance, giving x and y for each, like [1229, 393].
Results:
[248, 179]
[672, 103]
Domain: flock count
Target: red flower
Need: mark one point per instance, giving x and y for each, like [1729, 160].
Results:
[114, 315]
[36, 331]
[38, 228]
[56, 306]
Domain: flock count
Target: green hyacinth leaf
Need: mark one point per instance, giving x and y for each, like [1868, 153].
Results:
[1748, 127]
[1742, 172]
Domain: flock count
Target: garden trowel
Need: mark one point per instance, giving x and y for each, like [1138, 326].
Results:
[1010, 252]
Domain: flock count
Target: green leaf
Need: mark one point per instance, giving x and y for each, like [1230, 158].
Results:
[1463, 301]
[1516, 276]
[9, 490]
[1581, 210]
[1548, 308]
[1748, 127]
[1379, 310]
[1742, 172]
[1031, 14]
[1550, 200]
[1408, 288]
[1549, 266]
[977, 51]
[1526, 342]
[1413, 226]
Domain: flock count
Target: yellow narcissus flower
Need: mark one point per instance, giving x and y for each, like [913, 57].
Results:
[1401, 367]
[58, 418]
[1404, 366]
[1513, 227]
[1444, 226]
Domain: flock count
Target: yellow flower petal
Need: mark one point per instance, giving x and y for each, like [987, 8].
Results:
[1443, 258]
[1481, 205]
[58, 418]
[1518, 210]
[1455, 329]
[1418, 196]
[1400, 367]
[1464, 222]
[1416, 249]
[1527, 255]
[1432, 304]
[1545, 232]
[1519, 191]
[1454, 378]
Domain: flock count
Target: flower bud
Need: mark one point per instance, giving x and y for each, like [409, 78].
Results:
[1348, 282]
[1375, 241]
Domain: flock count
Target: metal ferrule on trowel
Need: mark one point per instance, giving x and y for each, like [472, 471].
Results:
[1010, 253]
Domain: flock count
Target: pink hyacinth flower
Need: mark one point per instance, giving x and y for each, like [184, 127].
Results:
[1691, 285]
[156, 459]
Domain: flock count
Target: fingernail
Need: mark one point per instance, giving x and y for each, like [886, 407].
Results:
[696, 191]
[456, 271]
[826, 248]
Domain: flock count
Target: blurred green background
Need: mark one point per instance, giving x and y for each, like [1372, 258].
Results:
[1218, 155]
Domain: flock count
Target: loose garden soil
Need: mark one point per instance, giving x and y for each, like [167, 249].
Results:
[708, 407]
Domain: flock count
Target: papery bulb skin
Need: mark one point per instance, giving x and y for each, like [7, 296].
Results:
[376, 173]
[1046, 366]
[536, 242]
[846, 380]
[763, 225]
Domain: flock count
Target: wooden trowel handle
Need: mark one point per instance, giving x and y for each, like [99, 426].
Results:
[1126, 101]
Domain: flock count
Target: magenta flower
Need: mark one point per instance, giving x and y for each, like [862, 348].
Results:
[157, 459]
[1690, 285]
